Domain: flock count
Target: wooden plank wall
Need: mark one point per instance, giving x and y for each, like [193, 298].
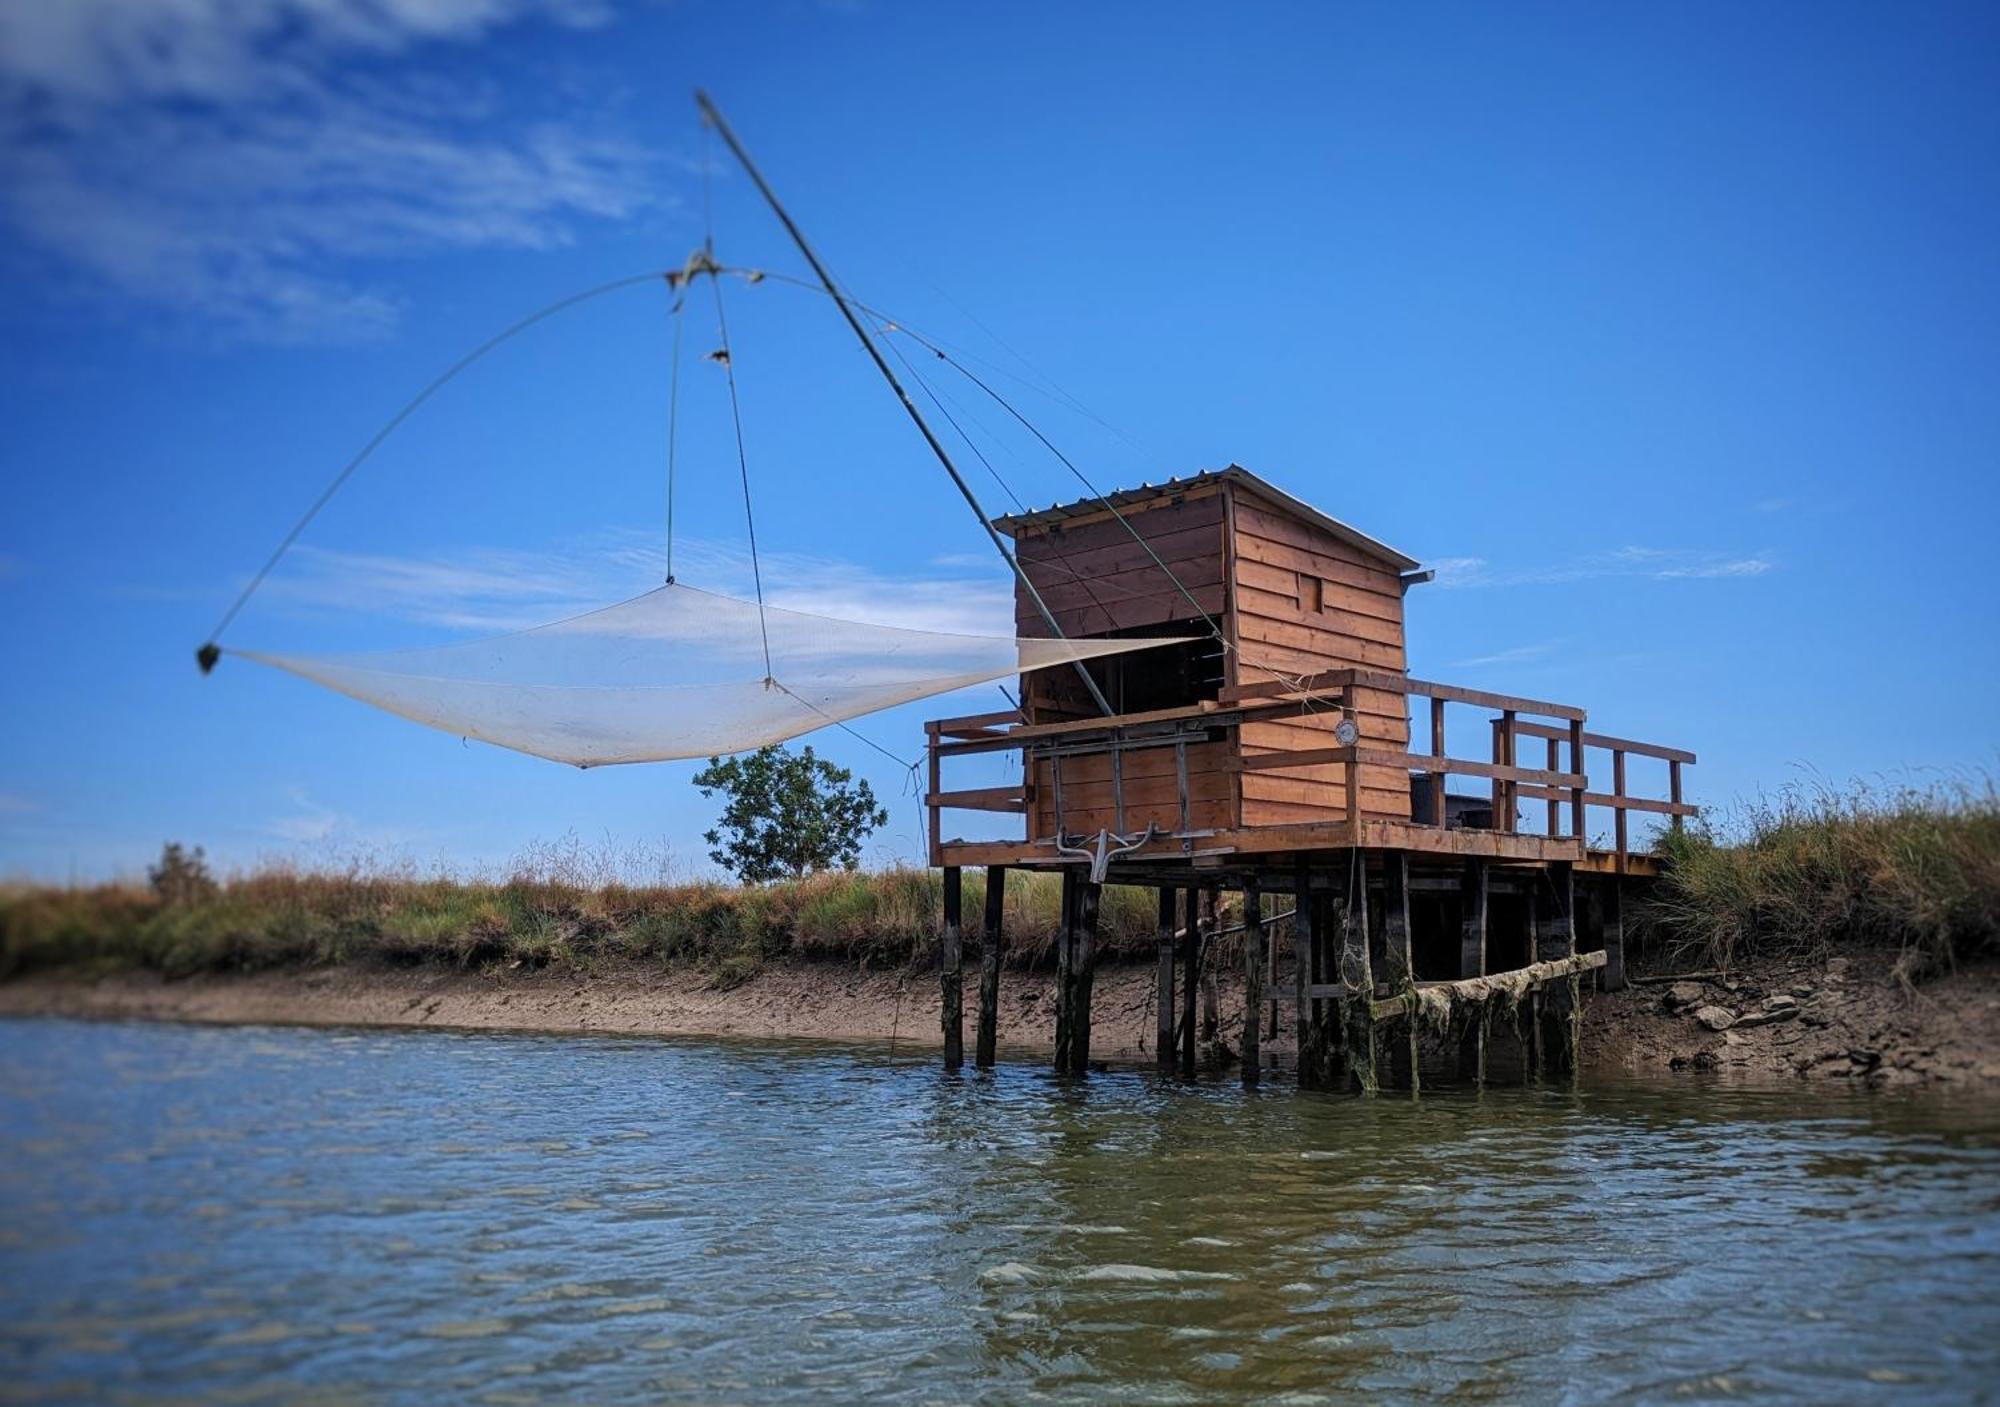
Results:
[1096, 579]
[1306, 601]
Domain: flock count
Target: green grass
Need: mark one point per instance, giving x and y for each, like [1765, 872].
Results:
[1913, 869]
[550, 916]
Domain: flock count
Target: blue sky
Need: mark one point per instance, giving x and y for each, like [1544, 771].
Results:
[1671, 335]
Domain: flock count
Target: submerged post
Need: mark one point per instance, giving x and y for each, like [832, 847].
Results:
[1065, 954]
[951, 980]
[1253, 982]
[1164, 1054]
[1558, 1008]
[987, 1036]
[1082, 974]
[1472, 889]
[1190, 976]
[1398, 965]
[1357, 978]
[1304, 1004]
[1211, 1000]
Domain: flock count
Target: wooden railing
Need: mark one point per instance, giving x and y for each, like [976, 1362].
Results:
[1562, 784]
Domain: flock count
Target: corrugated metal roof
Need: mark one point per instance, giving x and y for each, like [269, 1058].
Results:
[1235, 473]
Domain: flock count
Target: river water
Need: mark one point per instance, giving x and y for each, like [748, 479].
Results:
[422, 1217]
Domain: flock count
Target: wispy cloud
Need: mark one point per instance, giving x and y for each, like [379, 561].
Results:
[489, 590]
[1518, 654]
[235, 160]
[13, 804]
[1658, 563]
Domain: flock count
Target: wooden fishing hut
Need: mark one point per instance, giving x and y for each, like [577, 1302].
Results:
[1270, 752]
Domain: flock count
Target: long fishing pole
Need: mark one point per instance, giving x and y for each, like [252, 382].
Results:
[713, 116]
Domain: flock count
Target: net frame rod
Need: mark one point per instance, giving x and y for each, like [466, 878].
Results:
[712, 115]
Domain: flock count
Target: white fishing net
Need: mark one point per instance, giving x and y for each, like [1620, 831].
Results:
[675, 673]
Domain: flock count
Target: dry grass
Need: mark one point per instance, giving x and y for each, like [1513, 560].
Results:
[1915, 869]
[560, 906]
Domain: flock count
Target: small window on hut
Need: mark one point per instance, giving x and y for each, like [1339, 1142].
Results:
[1312, 594]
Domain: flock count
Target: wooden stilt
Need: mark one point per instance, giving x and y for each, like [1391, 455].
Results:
[992, 954]
[1164, 1054]
[1083, 974]
[1303, 1006]
[1398, 966]
[1271, 987]
[1472, 890]
[1612, 896]
[951, 974]
[1190, 976]
[1211, 999]
[1357, 974]
[1065, 941]
[1558, 1008]
[1253, 983]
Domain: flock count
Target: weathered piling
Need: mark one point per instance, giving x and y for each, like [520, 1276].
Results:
[1398, 967]
[1472, 890]
[951, 980]
[992, 954]
[1211, 997]
[1558, 1007]
[1065, 956]
[1253, 982]
[1164, 1053]
[1356, 976]
[1190, 977]
[1083, 974]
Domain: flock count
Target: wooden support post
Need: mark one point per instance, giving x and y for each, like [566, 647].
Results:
[1083, 974]
[1190, 976]
[1065, 957]
[1271, 987]
[987, 1034]
[1674, 788]
[1559, 1007]
[1472, 890]
[1164, 1054]
[1304, 923]
[1357, 974]
[1611, 895]
[1253, 982]
[951, 978]
[1353, 769]
[1211, 999]
[1399, 966]
[1509, 822]
[934, 821]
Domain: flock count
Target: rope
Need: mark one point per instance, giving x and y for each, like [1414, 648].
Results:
[673, 423]
[210, 651]
[743, 468]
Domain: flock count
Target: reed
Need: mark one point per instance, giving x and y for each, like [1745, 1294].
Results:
[560, 906]
[1917, 869]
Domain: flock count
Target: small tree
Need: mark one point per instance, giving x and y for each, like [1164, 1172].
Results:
[182, 875]
[789, 814]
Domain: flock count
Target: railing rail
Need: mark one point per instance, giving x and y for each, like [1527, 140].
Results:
[1562, 783]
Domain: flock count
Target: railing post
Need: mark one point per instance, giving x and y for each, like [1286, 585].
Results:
[1577, 819]
[936, 813]
[1437, 773]
[1674, 788]
[1618, 791]
[1555, 806]
[1508, 823]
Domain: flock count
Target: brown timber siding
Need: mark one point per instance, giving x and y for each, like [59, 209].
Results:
[1282, 567]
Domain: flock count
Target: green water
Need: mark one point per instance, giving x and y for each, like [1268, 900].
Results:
[250, 1214]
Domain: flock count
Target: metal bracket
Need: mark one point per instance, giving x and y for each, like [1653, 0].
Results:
[1106, 848]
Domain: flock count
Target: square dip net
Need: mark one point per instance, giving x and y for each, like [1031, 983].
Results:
[675, 673]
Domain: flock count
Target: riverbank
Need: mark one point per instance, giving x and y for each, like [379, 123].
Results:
[1845, 1018]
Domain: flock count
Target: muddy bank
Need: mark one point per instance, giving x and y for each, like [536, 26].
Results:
[1842, 1019]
